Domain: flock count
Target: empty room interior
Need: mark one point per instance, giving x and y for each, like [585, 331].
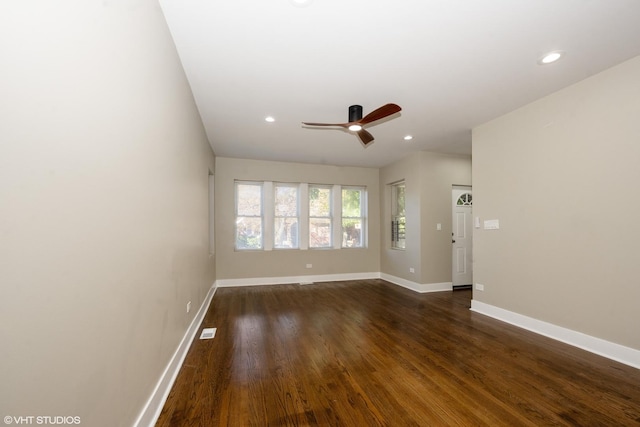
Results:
[319, 212]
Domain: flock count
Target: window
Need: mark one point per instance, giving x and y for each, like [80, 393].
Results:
[278, 216]
[398, 219]
[212, 240]
[248, 215]
[465, 199]
[285, 227]
[353, 218]
[320, 227]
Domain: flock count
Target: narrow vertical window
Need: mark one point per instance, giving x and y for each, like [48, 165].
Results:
[248, 215]
[353, 217]
[398, 219]
[320, 217]
[286, 216]
[212, 240]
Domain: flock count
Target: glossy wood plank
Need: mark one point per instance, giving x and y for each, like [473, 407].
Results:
[369, 353]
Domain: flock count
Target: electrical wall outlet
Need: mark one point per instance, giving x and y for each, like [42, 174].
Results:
[479, 287]
[412, 270]
[309, 265]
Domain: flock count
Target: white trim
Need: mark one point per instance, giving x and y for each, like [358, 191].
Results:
[417, 287]
[267, 215]
[330, 217]
[212, 240]
[336, 216]
[364, 211]
[303, 219]
[259, 281]
[262, 281]
[152, 409]
[617, 352]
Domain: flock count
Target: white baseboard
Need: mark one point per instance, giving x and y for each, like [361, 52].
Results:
[152, 409]
[307, 280]
[617, 352]
[257, 281]
[417, 287]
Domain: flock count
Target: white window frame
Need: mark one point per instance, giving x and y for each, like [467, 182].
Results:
[398, 222]
[212, 239]
[362, 217]
[330, 216]
[261, 216]
[268, 216]
[296, 244]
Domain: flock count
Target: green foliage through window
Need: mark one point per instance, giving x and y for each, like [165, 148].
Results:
[352, 218]
[321, 224]
[398, 216]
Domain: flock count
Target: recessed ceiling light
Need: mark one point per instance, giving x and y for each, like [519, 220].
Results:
[408, 138]
[550, 57]
[269, 119]
[301, 3]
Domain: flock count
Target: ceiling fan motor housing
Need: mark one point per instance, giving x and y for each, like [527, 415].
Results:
[355, 113]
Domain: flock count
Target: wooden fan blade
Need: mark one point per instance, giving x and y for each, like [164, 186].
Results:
[380, 113]
[364, 136]
[344, 125]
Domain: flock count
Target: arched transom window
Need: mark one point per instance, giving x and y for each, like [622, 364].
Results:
[465, 200]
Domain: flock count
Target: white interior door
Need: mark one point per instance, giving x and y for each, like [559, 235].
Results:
[461, 236]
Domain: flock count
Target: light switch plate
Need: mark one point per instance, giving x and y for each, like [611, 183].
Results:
[492, 224]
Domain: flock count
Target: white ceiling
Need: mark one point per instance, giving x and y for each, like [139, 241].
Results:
[450, 64]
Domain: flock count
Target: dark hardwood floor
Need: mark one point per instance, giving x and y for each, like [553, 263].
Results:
[369, 353]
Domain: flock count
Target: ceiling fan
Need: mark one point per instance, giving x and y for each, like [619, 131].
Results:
[356, 121]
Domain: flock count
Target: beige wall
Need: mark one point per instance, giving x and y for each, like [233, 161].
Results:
[438, 174]
[397, 262]
[558, 174]
[103, 219]
[232, 264]
[429, 178]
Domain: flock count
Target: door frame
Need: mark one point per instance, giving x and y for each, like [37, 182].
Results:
[461, 189]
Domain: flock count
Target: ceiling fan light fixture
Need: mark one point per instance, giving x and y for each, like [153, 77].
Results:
[550, 57]
[269, 119]
[408, 138]
[355, 128]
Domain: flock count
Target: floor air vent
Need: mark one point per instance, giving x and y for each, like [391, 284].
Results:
[208, 333]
